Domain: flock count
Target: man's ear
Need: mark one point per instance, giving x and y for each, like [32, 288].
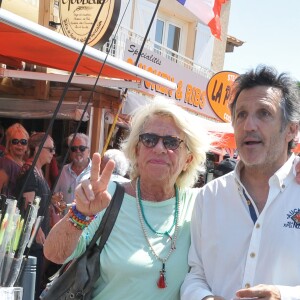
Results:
[292, 132]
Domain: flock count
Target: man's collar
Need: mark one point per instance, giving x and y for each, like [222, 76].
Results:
[282, 176]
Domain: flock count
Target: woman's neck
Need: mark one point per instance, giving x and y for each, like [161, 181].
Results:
[38, 168]
[16, 159]
[38, 164]
[156, 191]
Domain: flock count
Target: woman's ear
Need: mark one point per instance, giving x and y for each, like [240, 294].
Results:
[137, 149]
[188, 161]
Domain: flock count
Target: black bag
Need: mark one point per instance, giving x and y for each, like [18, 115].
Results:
[77, 281]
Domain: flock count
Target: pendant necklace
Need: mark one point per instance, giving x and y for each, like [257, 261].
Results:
[161, 282]
[39, 172]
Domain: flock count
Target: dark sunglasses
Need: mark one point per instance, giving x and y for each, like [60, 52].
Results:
[150, 140]
[23, 142]
[81, 148]
[51, 150]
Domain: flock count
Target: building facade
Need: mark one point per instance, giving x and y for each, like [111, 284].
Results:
[178, 48]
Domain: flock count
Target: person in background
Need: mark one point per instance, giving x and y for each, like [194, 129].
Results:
[12, 161]
[166, 149]
[225, 166]
[2, 148]
[121, 164]
[52, 172]
[201, 181]
[37, 186]
[246, 224]
[78, 169]
[57, 207]
[226, 156]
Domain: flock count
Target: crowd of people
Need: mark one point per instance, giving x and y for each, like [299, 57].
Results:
[15, 163]
[235, 237]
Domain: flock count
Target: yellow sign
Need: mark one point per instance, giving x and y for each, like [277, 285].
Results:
[77, 18]
[218, 91]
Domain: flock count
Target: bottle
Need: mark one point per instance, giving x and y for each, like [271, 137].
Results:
[28, 278]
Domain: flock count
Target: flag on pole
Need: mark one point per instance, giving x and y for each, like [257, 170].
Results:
[207, 11]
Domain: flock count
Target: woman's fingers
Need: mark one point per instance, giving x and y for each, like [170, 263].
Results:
[95, 168]
[104, 178]
[84, 191]
[91, 195]
[106, 173]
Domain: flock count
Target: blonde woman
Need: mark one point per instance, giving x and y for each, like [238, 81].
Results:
[13, 159]
[146, 254]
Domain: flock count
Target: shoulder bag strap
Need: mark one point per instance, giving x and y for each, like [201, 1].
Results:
[109, 218]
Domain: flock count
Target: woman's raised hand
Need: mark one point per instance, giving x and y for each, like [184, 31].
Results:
[92, 195]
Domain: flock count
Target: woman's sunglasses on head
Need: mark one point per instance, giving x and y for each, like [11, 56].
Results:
[23, 142]
[150, 140]
[81, 148]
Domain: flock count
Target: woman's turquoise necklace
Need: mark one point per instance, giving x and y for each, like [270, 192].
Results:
[161, 282]
[168, 232]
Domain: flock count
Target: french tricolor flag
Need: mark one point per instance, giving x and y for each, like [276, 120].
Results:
[207, 11]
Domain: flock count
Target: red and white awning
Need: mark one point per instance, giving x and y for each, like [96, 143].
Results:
[23, 40]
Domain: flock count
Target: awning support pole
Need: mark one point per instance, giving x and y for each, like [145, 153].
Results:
[112, 128]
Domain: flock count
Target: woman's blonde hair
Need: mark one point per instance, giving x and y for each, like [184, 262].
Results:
[196, 138]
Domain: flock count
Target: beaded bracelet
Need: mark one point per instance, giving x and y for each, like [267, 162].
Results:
[77, 225]
[79, 220]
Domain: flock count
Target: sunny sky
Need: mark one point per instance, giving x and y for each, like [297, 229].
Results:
[271, 32]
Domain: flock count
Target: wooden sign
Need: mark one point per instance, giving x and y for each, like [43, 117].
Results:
[77, 17]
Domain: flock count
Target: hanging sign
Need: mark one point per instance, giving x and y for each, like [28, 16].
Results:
[191, 86]
[77, 17]
[218, 91]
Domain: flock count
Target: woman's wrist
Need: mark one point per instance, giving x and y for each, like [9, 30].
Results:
[79, 220]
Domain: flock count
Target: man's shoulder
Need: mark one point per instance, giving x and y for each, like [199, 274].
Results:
[65, 172]
[217, 185]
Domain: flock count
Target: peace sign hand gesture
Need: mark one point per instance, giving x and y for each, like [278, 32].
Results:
[92, 195]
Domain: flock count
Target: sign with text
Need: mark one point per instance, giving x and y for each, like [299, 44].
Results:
[77, 18]
[218, 92]
[23, 8]
[191, 86]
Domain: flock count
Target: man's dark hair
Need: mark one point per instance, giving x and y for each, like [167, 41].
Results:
[268, 76]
